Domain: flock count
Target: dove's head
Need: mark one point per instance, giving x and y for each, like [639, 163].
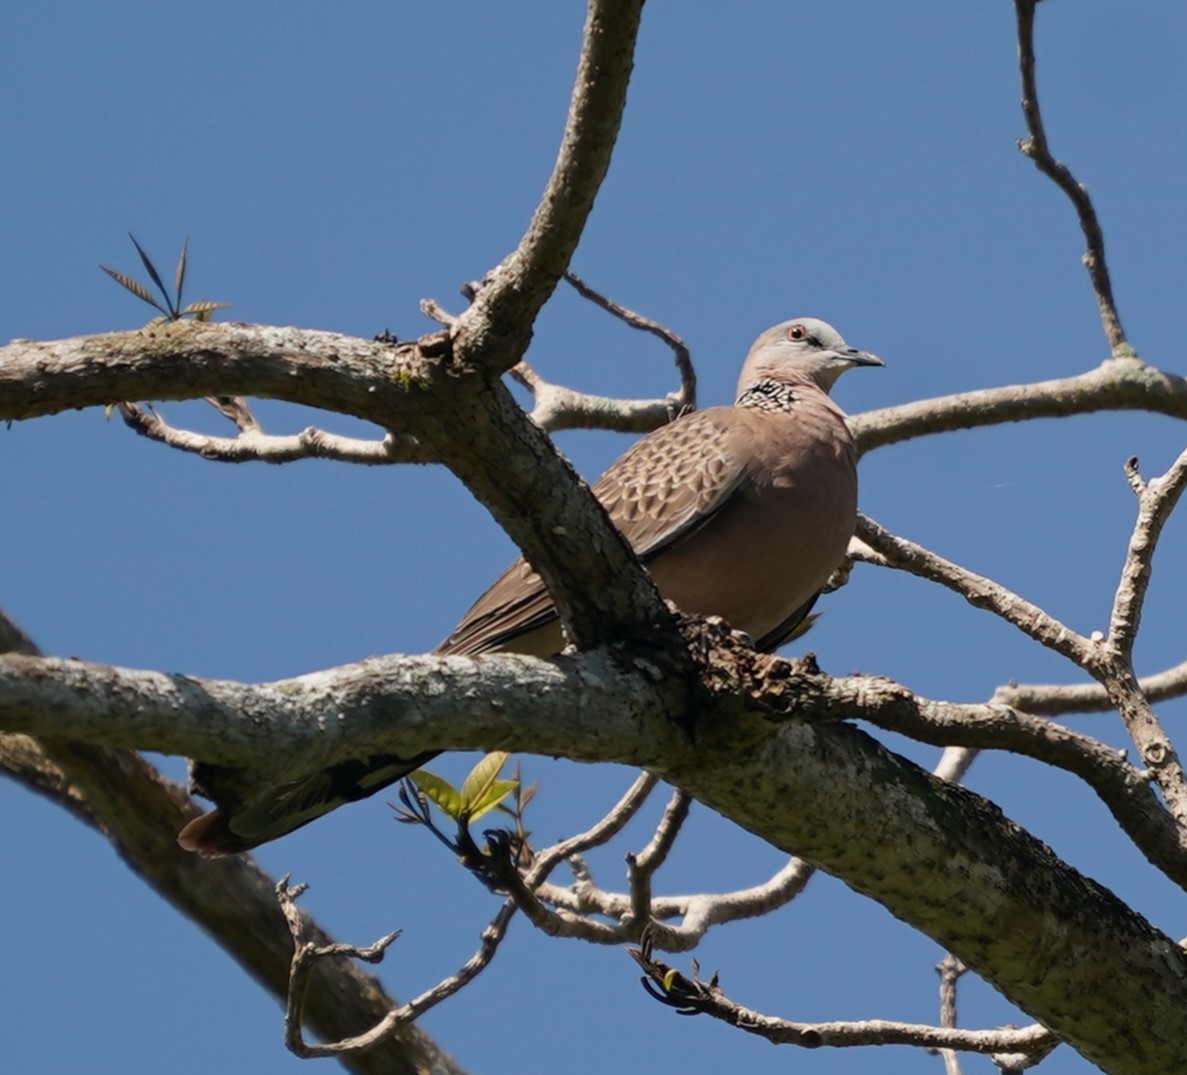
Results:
[802, 349]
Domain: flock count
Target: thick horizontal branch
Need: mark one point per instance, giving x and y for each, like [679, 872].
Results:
[383, 383]
[1121, 787]
[934, 854]
[398, 704]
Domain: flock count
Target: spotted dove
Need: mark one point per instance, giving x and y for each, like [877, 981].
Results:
[741, 512]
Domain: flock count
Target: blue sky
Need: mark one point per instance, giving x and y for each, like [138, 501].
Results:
[332, 164]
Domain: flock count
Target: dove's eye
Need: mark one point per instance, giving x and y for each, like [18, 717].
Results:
[797, 333]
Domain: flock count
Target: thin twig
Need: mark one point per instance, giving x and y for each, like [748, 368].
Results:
[606, 829]
[892, 551]
[700, 912]
[685, 399]
[1156, 501]
[1035, 147]
[557, 407]
[306, 955]
[253, 445]
[694, 996]
[1052, 699]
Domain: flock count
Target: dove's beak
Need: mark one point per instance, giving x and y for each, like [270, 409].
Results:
[861, 358]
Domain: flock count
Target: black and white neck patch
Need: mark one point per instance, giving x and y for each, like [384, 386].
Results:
[768, 396]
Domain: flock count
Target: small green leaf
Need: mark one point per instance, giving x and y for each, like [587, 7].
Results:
[485, 773]
[440, 791]
[494, 794]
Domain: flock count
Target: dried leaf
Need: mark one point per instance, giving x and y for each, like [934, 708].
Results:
[179, 278]
[134, 286]
[203, 310]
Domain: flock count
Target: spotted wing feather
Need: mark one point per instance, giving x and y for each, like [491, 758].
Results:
[659, 491]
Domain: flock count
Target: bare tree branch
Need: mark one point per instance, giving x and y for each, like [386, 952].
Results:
[896, 552]
[685, 399]
[1056, 699]
[308, 956]
[494, 331]
[1113, 386]
[1035, 147]
[700, 912]
[126, 800]
[949, 969]
[694, 996]
[378, 382]
[641, 867]
[954, 763]
[823, 792]
[254, 445]
[1156, 500]
[602, 832]
[1113, 661]
[558, 407]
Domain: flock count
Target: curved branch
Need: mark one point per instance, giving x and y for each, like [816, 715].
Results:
[700, 911]
[493, 333]
[558, 407]
[1035, 147]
